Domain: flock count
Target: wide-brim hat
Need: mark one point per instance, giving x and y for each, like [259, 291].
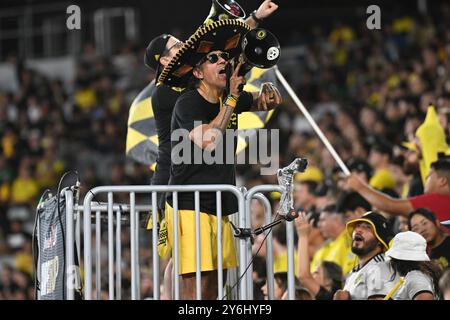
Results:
[224, 35]
[409, 246]
[379, 226]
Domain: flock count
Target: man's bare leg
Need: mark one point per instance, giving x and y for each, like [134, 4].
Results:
[167, 282]
[208, 285]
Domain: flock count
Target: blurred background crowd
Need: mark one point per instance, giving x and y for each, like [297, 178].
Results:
[368, 90]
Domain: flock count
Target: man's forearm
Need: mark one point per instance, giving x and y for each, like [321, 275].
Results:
[303, 256]
[204, 136]
[223, 118]
[384, 202]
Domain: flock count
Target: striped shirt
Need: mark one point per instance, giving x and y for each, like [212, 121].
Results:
[361, 279]
[384, 280]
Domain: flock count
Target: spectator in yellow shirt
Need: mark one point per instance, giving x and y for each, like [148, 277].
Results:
[280, 250]
[352, 205]
[337, 248]
[379, 159]
[327, 278]
[24, 187]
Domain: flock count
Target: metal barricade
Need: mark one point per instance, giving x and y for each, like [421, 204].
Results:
[132, 190]
[255, 192]
[269, 247]
[131, 210]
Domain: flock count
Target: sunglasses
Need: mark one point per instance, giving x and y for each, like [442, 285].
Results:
[214, 57]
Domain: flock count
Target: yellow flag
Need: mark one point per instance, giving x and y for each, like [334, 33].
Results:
[432, 141]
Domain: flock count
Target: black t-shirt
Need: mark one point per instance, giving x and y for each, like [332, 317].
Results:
[442, 253]
[190, 107]
[163, 102]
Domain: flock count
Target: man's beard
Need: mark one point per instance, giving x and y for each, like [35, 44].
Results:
[368, 247]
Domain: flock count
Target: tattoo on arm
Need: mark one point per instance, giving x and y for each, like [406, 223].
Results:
[222, 121]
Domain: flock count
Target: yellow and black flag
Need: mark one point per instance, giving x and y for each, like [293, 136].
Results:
[258, 119]
[142, 138]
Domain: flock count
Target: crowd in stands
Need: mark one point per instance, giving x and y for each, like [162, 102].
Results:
[381, 98]
[383, 101]
[47, 129]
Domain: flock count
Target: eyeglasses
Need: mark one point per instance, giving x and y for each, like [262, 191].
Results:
[214, 57]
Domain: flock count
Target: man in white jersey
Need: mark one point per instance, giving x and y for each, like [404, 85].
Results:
[370, 239]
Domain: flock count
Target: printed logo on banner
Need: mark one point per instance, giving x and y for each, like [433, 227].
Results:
[73, 277]
[49, 274]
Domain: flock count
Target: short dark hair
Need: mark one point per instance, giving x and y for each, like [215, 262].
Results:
[351, 201]
[442, 163]
[442, 166]
[312, 185]
[360, 165]
[314, 216]
[383, 147]
[331, 208]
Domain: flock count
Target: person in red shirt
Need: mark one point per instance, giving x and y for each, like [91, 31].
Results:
[436, 197]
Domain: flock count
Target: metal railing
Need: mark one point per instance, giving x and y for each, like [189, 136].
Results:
[255, 192]
[133, 210]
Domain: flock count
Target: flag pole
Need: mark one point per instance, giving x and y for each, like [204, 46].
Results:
[395, 288]
[312, 122]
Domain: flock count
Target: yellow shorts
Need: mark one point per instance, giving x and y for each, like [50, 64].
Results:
[208, 241]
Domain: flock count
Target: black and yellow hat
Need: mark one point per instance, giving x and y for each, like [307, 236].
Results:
[154, 51]
[224, 35]
[379, 225]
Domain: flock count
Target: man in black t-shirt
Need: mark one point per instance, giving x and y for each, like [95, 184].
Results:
[204, 115]
[157, 55]
[202, 173]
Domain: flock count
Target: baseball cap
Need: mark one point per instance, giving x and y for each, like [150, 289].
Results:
[379, 225]
[383, 147]
[154, 51]
[409, 246]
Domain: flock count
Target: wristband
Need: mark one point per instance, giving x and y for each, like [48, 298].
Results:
[258, 20]
[231, 101]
